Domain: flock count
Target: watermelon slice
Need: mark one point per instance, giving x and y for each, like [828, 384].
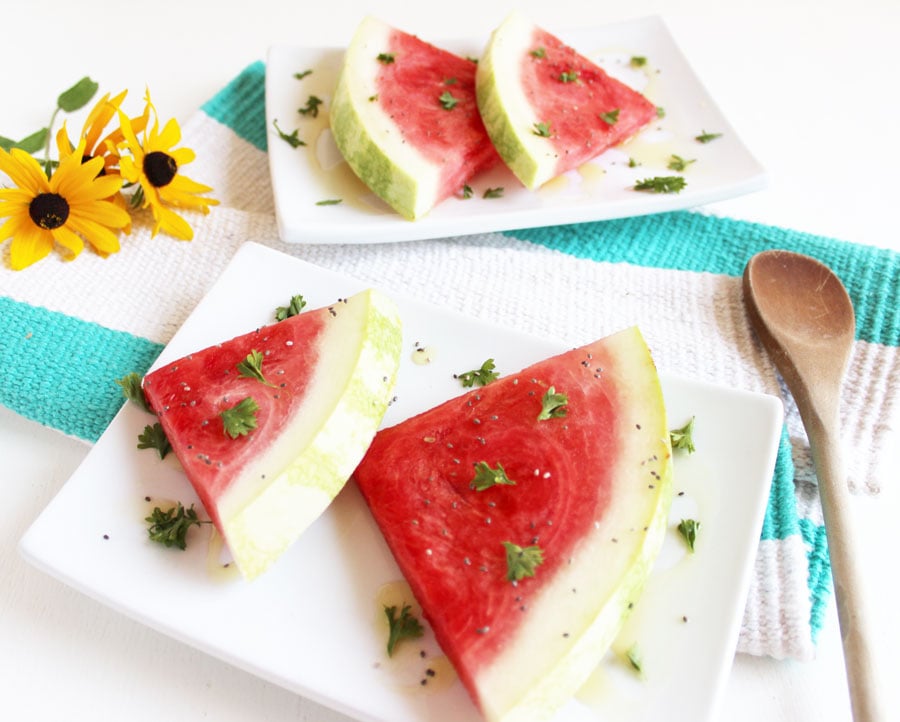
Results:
[547, 108]
[326, 379]
[405, 119]
[591, 494]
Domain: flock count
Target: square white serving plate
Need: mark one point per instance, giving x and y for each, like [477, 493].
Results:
[601, 189]
[313, 623]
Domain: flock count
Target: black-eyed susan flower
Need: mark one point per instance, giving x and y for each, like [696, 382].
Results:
[156, 165]
[67, 209]
[97, 145]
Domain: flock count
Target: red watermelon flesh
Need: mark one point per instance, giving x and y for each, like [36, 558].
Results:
[523, 648]
[405, 119]
[409, 90]
[574, 109]
[328, 376]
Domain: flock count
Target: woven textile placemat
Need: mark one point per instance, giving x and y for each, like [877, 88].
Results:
[69, 329]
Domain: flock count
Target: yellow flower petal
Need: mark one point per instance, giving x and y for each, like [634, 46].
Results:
[24, 170]
[103, 212]
[99, 236]
[172, 224]
[29, 245]
[68, 240]
[170, 136]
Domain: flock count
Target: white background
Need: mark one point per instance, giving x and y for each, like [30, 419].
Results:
[811, 87]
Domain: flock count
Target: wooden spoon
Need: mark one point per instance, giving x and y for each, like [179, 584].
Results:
[805, 320]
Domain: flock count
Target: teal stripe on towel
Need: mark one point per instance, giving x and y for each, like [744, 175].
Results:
[819, 573]
[61, 371]
[780, 520]
[241, 105]
[690, 241]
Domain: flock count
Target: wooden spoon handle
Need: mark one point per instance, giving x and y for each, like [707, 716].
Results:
[849, 588]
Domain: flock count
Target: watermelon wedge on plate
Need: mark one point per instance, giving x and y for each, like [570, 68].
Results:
[547, 108]
[269, 425]
[405, 119]
[526, 516]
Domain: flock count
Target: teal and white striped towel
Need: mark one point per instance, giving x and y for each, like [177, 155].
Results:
[677, 275]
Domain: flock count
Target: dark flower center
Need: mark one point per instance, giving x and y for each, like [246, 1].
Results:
[160, 168]
[48, 210]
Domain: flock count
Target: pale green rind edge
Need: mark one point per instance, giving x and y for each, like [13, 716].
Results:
[544, 699]
[304, 489]
[510, 133]
[398, 183]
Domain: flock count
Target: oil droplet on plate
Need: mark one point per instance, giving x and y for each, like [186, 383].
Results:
[422, 355]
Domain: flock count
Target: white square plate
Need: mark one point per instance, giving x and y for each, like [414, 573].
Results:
[313, 623]
[601, 189]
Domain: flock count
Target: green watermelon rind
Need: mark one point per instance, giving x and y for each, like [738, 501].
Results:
[259, 522]
[504, 108]
[372, 143]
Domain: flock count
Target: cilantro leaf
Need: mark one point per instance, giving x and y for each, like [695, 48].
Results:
[481, 377]
[251, 367]
[553, 405]
[132, 390]
[676, 162]
[448, 102]
[688, 529]
[240, 419]
[522, 561]
[311, 108]
[292, 309]
[705, 137]
[683, 438]
[611, 117]
[153, 437]
[486, 477]
[170, 527]
[405, 626]
[661, 184]
[292, 139]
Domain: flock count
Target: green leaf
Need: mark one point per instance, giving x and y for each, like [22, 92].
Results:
[78, 95]
[486, 477]
[405, 626]
[448, 102]
[683, 438]
[240, 419]
[637, 61]
[676, 162]
[541, 129]
[251, 367]
[292, 139]
[311, 108]
[170, 527]
[493, 192]
[610, 118]
[132, 390]
[30, 144]
[538, 53]
[688, 529]
[705, 137]
[661, 184]
[481, 376]
[522, 561]
[568, 76]
[292, 309]
[553, 405]
[153, 437]
[330, 202]
[634, 658]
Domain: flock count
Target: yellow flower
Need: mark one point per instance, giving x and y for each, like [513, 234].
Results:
[67, 208]
[96, 122]
[156, 165]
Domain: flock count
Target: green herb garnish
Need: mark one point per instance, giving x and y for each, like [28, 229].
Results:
[688, 529]
[302, 74]
[153, 437]
[705, 137]
[405, 626]
[683, 438]
[553, 405]
[170, 527]
[386, 58]
[480, 377]
[450, 81]
[292, 309]
[568, 76]
[661, 184]
[131, 390]
[660, 112]
[251, 367]
[292, 139]
[610, 118]
[633, 655]
[330, 202]
[522, 561]
[676, 162]
[466, 191]
[486, 477]
[240, 419]
[538, 53]
[541, 129]
[637, 61]
[312, 107]
[493, 192]
[448, 102]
